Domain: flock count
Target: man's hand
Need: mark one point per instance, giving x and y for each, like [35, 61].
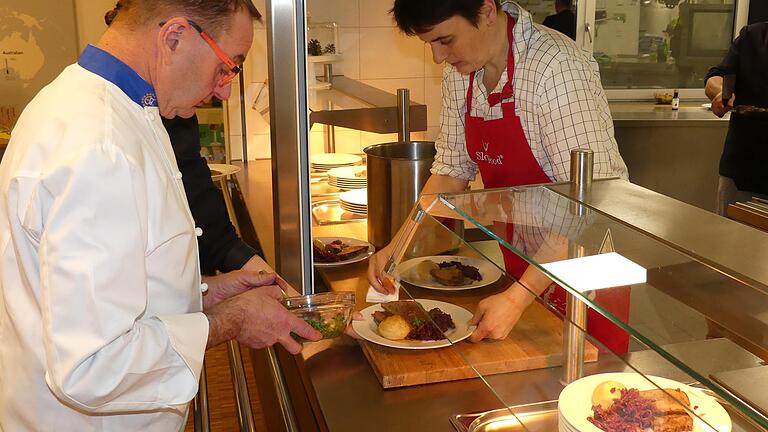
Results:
[226, 285]
[497, 315]
[257, 319]
[719, 107]
[257, 264]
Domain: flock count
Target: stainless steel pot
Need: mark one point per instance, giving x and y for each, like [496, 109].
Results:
[396, 174]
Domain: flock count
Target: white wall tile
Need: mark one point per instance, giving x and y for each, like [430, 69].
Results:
[316, 142]
[415, 85]
[387, 53]
[257, 57]
[259, 147]
[375, 13]
[349, 46]
[370, 138]
[433, 99]
[432, 132]
[236, 147]
[345, 13]
[233, 111]
[431, 69]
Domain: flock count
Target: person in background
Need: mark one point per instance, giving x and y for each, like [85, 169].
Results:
[744, 161]
[516, 100]
[564, 20]
[104, 314]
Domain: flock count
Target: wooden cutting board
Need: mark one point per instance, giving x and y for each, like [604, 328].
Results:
[536, 342]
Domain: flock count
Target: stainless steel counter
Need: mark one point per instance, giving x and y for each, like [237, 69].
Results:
[643, 114]
[674, 153]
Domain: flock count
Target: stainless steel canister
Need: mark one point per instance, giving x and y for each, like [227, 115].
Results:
[396, 174]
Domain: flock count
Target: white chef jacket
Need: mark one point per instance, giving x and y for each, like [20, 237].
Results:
[100, 305]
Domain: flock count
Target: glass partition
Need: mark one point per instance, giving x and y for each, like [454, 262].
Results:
[658, 319]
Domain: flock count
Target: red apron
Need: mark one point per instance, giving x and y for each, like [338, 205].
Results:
[501, 151]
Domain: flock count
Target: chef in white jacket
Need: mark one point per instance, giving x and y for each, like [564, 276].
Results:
[103, 320]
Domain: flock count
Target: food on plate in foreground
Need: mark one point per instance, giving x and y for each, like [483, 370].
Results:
[606, 393]
[634, 410]
[406, 319]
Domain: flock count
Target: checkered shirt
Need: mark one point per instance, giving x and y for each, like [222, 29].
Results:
[559, 99]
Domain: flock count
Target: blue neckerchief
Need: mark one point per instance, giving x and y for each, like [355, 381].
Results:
[118, 73]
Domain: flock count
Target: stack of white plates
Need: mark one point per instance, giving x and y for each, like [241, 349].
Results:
[575, 402]
[326, 161]
[348, 178]
[355, 201]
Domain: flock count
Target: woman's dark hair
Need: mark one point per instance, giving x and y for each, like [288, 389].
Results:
[212, 15]
[419, 16]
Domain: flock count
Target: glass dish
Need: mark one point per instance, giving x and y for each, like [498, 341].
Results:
[328, 313]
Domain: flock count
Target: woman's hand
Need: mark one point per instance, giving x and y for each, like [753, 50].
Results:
[226, 285]
[376, 277]
[349, 331]
[497, 315]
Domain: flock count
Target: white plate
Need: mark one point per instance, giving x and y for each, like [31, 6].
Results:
[348, 173]
[357, 197]
[352, 242]
[575, 401]
[335, 159]
[367, 328]
[406, 271]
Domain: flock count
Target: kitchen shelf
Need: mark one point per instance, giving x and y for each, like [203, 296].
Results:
[355, 105]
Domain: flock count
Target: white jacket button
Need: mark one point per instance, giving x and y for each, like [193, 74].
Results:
[203, 287]
[198, 231]
[177, 174]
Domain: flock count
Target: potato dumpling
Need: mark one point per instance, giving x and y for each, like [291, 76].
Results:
[394, 327]
[423, 270]
[605, 393]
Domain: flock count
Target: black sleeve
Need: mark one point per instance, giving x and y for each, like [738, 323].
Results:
[730, 63]
[548, 21]
[220, 247]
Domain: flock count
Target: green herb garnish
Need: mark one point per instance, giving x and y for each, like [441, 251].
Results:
[331, 328]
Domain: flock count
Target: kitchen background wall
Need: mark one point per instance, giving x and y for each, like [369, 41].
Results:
[373, 51]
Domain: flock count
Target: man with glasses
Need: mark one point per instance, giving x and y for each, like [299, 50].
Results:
[104, 317]
[220, 248]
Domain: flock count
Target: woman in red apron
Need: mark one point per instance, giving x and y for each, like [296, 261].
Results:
[475, 34]
[502, 153]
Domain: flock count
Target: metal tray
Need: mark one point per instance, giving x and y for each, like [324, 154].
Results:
[538, 417]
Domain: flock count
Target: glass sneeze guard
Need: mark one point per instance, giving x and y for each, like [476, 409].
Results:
[664, 336]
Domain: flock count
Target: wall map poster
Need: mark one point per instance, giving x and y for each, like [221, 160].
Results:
[38, 38]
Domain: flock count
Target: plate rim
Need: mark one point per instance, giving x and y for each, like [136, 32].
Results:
[367, 321]
[661, 382]
[445, 287]
[348, 240]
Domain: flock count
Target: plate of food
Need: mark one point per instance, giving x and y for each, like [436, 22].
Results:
[408, 325]
[448, 273]
[338, 251]
[616, 402]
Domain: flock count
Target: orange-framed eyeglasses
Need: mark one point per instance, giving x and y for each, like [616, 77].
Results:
[233, 70]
